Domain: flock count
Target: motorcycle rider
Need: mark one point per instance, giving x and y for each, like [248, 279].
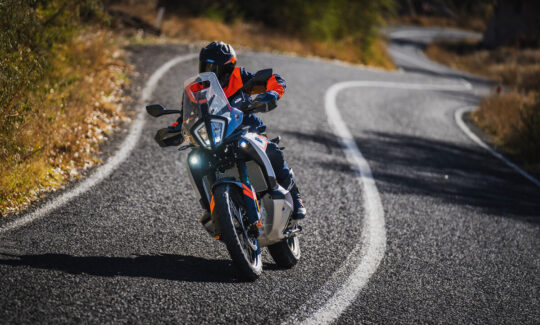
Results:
[220, 58]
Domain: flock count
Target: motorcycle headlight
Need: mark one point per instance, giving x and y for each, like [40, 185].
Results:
[218, 127]
[202, 135]
[217, 130]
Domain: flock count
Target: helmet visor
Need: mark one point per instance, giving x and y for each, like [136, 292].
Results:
[222, 71]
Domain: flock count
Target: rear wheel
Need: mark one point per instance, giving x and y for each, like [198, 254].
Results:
[243, 248]
[286, 253]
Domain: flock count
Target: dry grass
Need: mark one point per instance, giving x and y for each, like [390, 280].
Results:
[61, 136]
[512, 117]
[515, 68]
[257, 37]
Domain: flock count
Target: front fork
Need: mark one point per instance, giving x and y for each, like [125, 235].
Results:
[250, 197]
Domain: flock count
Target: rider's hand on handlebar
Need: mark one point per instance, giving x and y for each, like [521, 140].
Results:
[267, 97]
[264, 102]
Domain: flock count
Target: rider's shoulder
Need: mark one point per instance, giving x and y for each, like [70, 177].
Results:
[244, 74]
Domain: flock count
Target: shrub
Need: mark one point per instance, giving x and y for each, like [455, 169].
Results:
[30, 30]
[514, 121]
[320, 20]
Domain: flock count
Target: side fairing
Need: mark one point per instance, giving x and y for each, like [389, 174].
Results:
[258, 144]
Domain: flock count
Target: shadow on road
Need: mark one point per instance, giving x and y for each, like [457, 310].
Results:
[163, 266]
[457, 174]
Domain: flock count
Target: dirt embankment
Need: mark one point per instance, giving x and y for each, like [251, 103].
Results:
[511, 115]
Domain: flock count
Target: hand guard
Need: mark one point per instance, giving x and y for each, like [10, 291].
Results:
[166, 137]
[264, 102]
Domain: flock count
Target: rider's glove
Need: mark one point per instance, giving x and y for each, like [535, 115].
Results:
[267, 97]
[265, 102]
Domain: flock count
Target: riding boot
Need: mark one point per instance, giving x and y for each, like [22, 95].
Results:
[299, 209]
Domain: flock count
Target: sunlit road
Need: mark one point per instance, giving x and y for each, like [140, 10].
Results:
[461, 240]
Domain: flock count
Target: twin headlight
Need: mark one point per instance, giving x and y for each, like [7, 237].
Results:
[217, 129]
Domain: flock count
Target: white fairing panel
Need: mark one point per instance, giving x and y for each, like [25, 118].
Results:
[260, 143]
[275, 217]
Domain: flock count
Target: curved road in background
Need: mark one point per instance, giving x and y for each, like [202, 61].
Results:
[460, 229]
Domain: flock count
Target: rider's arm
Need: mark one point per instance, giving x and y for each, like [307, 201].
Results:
[275, 88]
[276, 85]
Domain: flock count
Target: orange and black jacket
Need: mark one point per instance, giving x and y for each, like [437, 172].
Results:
[275, 86]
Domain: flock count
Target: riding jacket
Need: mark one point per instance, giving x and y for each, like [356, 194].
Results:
[275, 87]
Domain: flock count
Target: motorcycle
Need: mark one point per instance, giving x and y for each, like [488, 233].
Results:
[246, 208]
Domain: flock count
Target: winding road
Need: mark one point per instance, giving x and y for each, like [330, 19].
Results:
[410, 221]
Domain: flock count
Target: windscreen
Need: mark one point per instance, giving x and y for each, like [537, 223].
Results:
[204, 96]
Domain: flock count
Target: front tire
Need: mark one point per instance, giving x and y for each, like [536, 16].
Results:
[227, 212]
[286, 253]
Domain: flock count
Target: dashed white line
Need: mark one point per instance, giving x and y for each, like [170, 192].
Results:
[327, 304]
[459, 120]
[113, 162]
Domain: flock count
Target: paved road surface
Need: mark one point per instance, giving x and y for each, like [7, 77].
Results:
[462, 235]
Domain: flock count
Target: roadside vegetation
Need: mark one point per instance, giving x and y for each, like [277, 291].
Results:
[63, 69]
[61, 76]
[338, 29]
[511, 115]
[463, 14]
[508, 54]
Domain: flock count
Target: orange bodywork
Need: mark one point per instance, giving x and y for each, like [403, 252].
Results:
[212, 204]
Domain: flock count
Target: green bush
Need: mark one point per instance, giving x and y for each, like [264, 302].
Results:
[29, 32]
[323, 20]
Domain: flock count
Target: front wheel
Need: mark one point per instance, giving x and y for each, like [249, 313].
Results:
[286, 253]
[243, 248]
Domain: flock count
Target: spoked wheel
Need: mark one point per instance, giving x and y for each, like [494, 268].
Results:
[286, 253]
[232, 218]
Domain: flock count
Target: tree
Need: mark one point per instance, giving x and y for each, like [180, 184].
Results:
[514, 22]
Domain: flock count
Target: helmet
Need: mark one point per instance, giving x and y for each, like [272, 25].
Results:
[219, 58]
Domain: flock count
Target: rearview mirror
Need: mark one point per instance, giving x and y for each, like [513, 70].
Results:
[157, 110]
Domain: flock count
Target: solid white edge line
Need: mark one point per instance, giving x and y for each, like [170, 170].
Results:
[373, 237]
[113, 162]
[459, 120]
[371, 248]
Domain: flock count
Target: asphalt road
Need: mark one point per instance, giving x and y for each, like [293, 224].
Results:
[462, 229]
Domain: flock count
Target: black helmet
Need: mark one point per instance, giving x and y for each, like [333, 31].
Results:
[219, 58]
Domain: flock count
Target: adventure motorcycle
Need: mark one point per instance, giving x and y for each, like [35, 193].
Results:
[232, 175]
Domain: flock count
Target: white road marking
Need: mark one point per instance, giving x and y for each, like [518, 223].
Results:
[113, 162]
[325, 306]
[459, 120]
[467, 84]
